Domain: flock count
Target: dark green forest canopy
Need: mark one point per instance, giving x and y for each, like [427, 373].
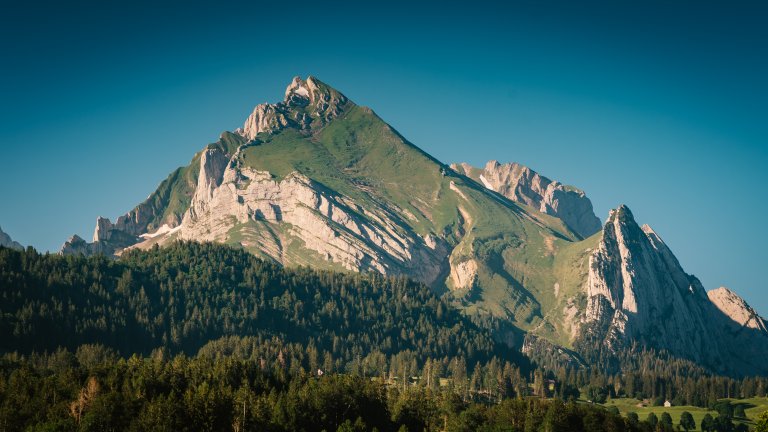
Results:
[89, 392]
[179, 298]
[67, 319]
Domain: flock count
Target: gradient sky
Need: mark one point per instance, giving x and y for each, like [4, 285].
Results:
[660, 105]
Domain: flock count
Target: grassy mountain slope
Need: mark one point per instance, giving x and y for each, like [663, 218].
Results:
[516, 248]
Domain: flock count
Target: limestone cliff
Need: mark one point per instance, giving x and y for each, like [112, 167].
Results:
[288, 219]
[161, 211]
[741, 315]
[637, 292]
[316, 180]
[521, 184]
[308, 104]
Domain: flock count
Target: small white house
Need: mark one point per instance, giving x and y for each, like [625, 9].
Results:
[667, 404]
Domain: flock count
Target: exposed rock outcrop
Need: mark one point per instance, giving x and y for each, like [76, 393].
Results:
[231, 199]
[308, 105]
[464, 274]
[734, 307]
[521, 184]
[741, 332]
[638, 292]
[108, 239]
[636, 289]
[7, 241]
[76, 245]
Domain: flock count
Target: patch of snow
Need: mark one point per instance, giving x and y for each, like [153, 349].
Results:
[163, 230]
[485, 182]
[301, 91]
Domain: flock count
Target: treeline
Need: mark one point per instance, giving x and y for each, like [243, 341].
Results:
[213, 301]
[643, 373]
[92, 390]
[179, 298]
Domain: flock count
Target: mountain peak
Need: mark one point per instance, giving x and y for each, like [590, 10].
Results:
[303, 89]
[316, 180]
[297, 86]
[308, 104]
[622, 213]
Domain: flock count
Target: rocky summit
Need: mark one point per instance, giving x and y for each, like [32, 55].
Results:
[316, 180]
[523, 185]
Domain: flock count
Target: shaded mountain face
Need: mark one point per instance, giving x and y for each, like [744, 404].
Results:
[523, 185]
[744, 332]
[317, 180]
[7, 241]
[742, 316]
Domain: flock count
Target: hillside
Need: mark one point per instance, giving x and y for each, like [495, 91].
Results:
[187, 296]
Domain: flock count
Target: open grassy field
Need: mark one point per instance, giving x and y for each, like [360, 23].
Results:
[753, 408]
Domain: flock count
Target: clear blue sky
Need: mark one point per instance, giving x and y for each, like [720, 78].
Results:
[661, 105]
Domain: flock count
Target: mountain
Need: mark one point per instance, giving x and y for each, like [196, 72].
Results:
[7, 241]
[523, 185]
[636, 291]
[316, 180]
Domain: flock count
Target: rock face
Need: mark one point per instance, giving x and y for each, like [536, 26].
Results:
[108, 239]
[308, 104]
[734, 307]
[159, 213]
[7, 241]
[274, 213]
[636, 289]
[638, 292]
[292, 220]
[743, 331]
[316, 180]
[521, 184]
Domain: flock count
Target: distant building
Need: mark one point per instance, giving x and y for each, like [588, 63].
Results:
[667, 404]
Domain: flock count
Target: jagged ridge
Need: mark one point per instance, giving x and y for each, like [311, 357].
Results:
[638, 292]
[523, 185]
